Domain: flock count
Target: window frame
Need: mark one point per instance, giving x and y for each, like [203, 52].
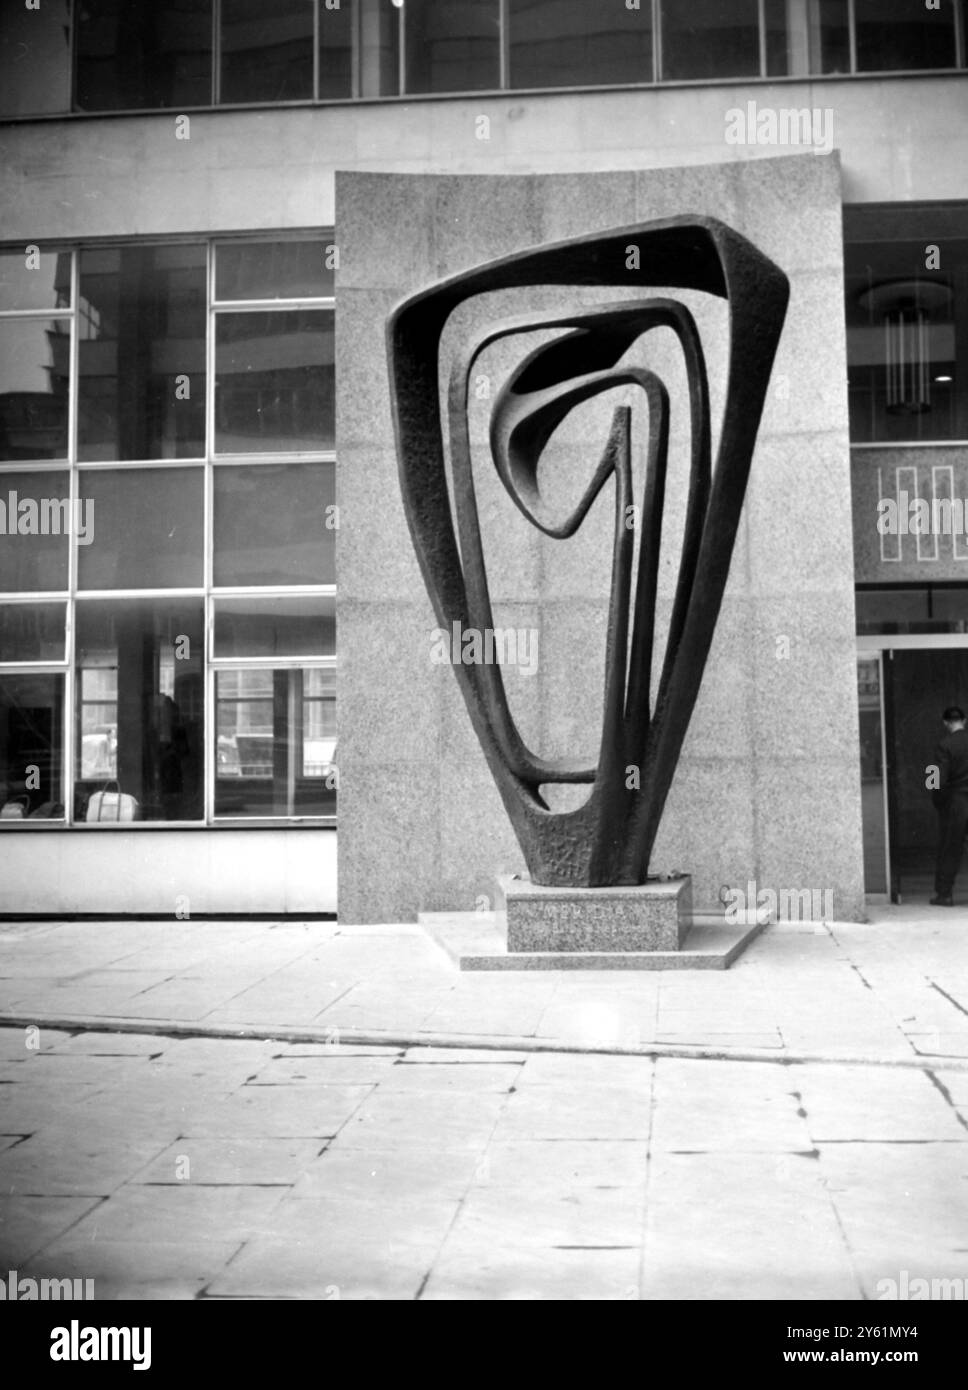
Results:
[401, 93]
[206, 592]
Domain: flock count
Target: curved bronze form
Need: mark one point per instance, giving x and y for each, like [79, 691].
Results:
[608, 840]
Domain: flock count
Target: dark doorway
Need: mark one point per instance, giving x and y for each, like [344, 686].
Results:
[918, 686]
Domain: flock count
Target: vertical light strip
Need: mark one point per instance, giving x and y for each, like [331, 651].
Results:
[216, 52]
[761, 21]
[657, 40]
[295, 734]
[961, 57]
[852, 34]
[356, 56]
[401, 47]
[316, 35]
[504, 44]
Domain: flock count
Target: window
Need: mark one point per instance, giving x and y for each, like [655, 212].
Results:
[31, 747]
[893, 36]
[934, 608]
[568, 43]
[139, 55]
[179, 524]
[906, 286]
[452, 45]
[145, 55]
[706, 39]
[140, 708]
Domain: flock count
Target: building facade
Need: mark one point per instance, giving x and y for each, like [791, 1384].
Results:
[188, 477]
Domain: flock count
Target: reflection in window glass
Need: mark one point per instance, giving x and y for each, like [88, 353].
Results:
[140, 709]
[276, 733]
[335, 52]
[706, 39]
[147, 528]
[894, 35]
[274, 382]
[36, 520]
[32, 631]
[568, 43]
[379, 48]
[31, 747]
[911, 610]
[906, 338]
[266, 51]
[275, 524]
[34, 366]
[140, 55]
[278, 626]
[35, 280]
[807, 37]
[273, 270]
[141, 329]
[35, 59]
[452, 45]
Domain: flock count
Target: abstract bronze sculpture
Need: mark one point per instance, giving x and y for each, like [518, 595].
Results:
[609, 839]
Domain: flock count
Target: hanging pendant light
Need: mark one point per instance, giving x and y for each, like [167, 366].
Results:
[906, 308]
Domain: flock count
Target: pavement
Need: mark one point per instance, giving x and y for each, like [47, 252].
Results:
[238, 1110]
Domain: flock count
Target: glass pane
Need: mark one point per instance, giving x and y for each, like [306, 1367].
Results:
[139, 55]
[706, 39]
[140, 710]
[906, 345]
[889, 611]
[34, 366]
[335, 51]
[141, 326]
[452, 45]
[283, 626]
[273, 270]
[894, 35]
[147, 528]
[32, 631]
[274, 382]
[35, 279]
[267, 51]
[275, 627]
[379, 48]
[276, 742]
[31, 748]
[35, 59]
[275, 524]
[570, 43]
[36, 519]
[806, 36]
[873, 805]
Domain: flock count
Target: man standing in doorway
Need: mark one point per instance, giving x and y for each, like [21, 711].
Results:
[951, 802]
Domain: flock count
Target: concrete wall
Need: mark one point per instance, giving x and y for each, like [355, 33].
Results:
[58, 872]
[899, 138]
[768, 787]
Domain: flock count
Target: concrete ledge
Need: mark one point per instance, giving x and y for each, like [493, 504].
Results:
[478, 942]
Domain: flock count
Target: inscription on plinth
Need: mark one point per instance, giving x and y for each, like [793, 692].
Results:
[652, 916]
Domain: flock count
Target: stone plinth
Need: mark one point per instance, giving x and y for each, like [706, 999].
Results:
[653, 916]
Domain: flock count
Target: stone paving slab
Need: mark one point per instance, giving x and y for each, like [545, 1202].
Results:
[797, 1127]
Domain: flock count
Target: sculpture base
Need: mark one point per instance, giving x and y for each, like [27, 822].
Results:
[653, 916]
